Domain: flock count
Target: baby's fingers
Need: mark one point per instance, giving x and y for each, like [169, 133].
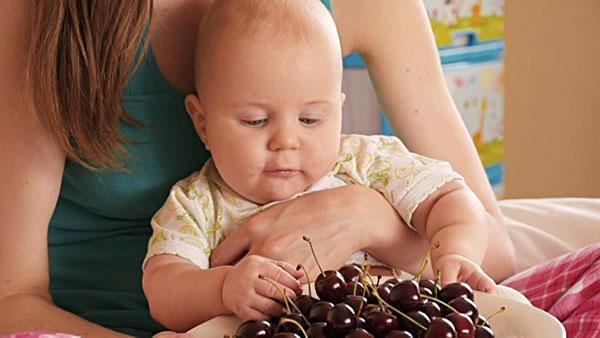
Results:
[268, 287]
[448, 273]
[284, 274]
[482, 282]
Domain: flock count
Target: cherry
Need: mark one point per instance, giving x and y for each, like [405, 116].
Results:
[254, 328]
[398, 334]
[304, 303]
[455, 290]
[484, 332]
[482, 321]
[419, 317]
[431, 285]
[432, 310]
[466, 306]
[369, 308]
[440, 328]
[341, 320]
[405, 296]
[351, 272]
[317, 330]
[463, 325]
[380, 323]
[356, 302]
[286, 335]
[355, 288]
[330, 285]
[361, 322]
[291, 322]
[359, 333]
[318, 312]
[384, 290]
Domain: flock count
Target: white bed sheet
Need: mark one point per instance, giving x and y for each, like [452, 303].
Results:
[543, 228]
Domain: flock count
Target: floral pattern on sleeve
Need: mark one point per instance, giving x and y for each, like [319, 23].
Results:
[383, 163]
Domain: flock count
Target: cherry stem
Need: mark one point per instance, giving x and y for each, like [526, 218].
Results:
[354, 288]
[285, 298]
[289, 320]
[381, 301]
[296, 308]
[314, 255]
[300, 266]
[439, 301]
[499, 311]
[395, 273]
[438, 281]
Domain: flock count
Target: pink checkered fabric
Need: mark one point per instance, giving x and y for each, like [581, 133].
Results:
[568, 287]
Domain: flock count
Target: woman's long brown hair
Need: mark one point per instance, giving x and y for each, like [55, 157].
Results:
[81, 56]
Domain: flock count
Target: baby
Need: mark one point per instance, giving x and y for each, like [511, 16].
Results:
[269, 107]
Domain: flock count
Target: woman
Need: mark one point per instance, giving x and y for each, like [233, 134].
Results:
[81, 177]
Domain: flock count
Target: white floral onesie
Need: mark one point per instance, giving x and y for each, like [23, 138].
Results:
[202, 210]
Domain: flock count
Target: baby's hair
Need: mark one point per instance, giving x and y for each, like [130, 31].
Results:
[297, 21]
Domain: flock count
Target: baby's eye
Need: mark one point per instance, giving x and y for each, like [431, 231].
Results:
[308, 121]
[254, 123]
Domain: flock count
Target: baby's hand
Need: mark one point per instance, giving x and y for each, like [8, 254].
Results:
[457, 268]
[250, 297]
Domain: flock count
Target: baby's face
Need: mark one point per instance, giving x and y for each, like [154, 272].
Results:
[273, 117]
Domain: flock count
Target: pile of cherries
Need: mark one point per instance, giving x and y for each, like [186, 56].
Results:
[351, 304]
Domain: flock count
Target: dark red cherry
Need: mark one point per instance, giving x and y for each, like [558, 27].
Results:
[254, 328]
[350, 272]
[405, 296]
[361, 322]
[317, 330]
[285, 326]
[356, 302]
[482, 321]
[432, 310]
[431, 285]
[440, 328]
[359, 333]
[318, 312]
[380, 323]
[341, 320]
[484, 332]
[462, 324]
[454, 290]
[330, 286]
[398, 334]
[369, 308]
[466, 306]
[420, 318]
[355, 288]
[304, 303]
[286, 335]
[384, 291]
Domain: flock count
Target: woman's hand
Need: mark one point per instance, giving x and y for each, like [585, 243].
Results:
[339, 222]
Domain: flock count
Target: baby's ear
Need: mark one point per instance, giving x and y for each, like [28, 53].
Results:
[194, 108]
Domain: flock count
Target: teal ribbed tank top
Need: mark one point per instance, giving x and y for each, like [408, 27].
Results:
[98, 234]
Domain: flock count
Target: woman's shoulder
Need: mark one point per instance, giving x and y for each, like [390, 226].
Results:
[173, 39]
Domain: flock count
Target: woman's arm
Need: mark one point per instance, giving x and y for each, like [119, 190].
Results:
[395, 39]
[30, 176]
[339, 221]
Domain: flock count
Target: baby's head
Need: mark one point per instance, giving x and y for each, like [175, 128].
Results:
[268, 102]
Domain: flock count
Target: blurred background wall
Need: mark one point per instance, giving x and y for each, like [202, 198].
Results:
[552, 99]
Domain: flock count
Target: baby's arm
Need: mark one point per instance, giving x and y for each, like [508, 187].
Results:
[454, 218]
[430, 197]
[181, 295]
